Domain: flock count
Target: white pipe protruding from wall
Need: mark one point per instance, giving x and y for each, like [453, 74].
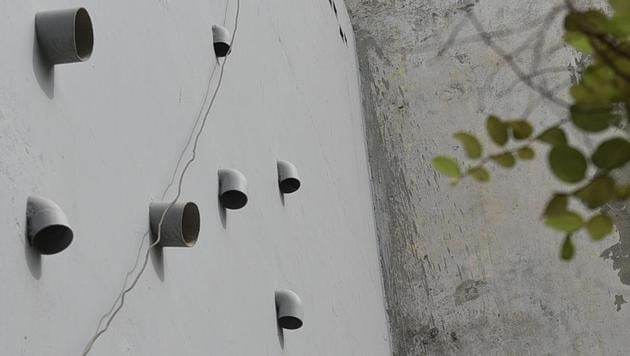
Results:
[221, 39]
[48, 229]
[289, 309]
[288, 177]
[181, 224]
[65, 36]
[232, 188]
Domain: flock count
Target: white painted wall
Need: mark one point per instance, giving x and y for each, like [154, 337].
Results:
[105, 143]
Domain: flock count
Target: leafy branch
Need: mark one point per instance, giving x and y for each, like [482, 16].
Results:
[600, 100]
[499, 132]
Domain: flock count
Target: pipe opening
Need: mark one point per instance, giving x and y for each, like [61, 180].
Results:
[290, 185]
[221, 49]
[290, 322]
[233, 199]
[190, 224]
[52, 239]
[83, 34]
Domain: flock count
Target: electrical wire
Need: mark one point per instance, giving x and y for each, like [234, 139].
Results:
[190, 136]
[170, 184]
[122, 295]
[129, 273]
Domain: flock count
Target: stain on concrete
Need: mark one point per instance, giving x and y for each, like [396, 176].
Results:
[619, 301]
[547, 311]
[469, 290]
[454, 336]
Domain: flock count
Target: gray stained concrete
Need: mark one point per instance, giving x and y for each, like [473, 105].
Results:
[472, 270]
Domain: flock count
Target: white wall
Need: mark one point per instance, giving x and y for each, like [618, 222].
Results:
[105, 143]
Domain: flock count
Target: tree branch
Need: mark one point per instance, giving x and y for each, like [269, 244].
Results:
[485, 160]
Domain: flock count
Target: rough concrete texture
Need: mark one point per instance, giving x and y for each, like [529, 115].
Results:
[471, 270]
[102, 139]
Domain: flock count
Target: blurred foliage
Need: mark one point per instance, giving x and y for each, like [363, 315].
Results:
[600, 100]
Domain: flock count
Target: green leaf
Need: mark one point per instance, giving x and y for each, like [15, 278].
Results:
[614, 52]
[621, 7]
[567, 221]
[593, 20]
[505, 160]
[497, 130]
[480, 174]
[620, 26]
[447, 166]
[622, 192]
[598, 192]
[621, 19]
[553, 136]
[471, 145]
[598, 86]
[593, 118]
[568, 250]
[526, 153]
[612, 154]
[599, 226]
[567, 163]
[521, 129]
[557, 205]
[578, 41]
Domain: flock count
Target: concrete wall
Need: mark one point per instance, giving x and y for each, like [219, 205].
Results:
[102, 139]
[471, 270]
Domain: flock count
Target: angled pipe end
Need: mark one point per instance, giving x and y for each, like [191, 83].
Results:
[48, 229]
[289, 310]
[65, 36]
[232, 189]
[180, 226]
[288, 177]
[221, 39]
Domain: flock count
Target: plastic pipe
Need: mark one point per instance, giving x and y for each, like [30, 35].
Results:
[48, 229]
[288, 177]
[289, 309]
[232, 189]
[65, 36]
[180, 227]
[221, 39]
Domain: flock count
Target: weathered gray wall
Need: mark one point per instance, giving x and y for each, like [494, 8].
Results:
[104, 143]
[471, 270]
